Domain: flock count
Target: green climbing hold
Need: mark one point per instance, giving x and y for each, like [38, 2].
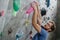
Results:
[16, 6]
[14, 13]
[1, 34]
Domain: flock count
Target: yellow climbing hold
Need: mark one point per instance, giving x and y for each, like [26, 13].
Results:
[27, 22]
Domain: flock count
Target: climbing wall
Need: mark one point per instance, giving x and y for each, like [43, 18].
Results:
[18, 26]
[3, 10]
[51, 9]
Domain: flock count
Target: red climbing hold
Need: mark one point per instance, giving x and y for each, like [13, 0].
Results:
[2, 13]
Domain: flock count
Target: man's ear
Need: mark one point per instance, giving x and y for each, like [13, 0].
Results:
[49, 30]
[53, 28]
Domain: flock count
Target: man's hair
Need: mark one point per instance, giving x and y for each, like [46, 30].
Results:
[53, 27]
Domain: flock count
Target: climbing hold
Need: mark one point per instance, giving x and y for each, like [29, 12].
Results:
[1, 13]
[30, 32]
[29, 10]
[30, 35]
[14, 13]
[43, 11]
[9, 31]
[52, 7]
[19, 35]
[44, 18]
[26, 22]
[48, 3]
[48, 18]
[1, 34]
[16, 6]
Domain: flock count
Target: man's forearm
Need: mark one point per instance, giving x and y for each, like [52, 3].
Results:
[39, 21]
[34, 21]
[39, 17]
[39, 13]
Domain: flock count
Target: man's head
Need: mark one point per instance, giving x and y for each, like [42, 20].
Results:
[50, 26]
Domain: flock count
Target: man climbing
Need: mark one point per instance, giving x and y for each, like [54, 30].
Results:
[42, 31]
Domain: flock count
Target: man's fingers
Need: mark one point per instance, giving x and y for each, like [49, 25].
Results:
[37, 4]
[34, 6]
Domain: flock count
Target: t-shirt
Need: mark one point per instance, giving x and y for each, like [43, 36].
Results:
[41, 36]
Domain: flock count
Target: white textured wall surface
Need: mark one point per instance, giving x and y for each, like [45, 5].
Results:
[17, 23]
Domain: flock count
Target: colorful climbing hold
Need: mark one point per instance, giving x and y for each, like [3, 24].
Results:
[16, 6]
[29, 10]
[30, 32]
[19, 35]
[30, 35]
[1, 34]
[43, 11]
[48, 18]
[14, 13]
[48, 3]
[2, 13]
[26, 22]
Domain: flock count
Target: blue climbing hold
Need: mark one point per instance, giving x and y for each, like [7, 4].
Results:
[48, 3]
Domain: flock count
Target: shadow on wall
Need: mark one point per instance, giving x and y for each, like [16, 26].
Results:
[58, 21]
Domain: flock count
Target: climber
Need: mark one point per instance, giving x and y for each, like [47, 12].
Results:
[42, 31]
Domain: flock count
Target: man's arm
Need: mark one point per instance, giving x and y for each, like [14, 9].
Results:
[39, 16]
[34, 19]
[39, 19]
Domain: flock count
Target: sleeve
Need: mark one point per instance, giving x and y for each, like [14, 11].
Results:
[43, 32]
